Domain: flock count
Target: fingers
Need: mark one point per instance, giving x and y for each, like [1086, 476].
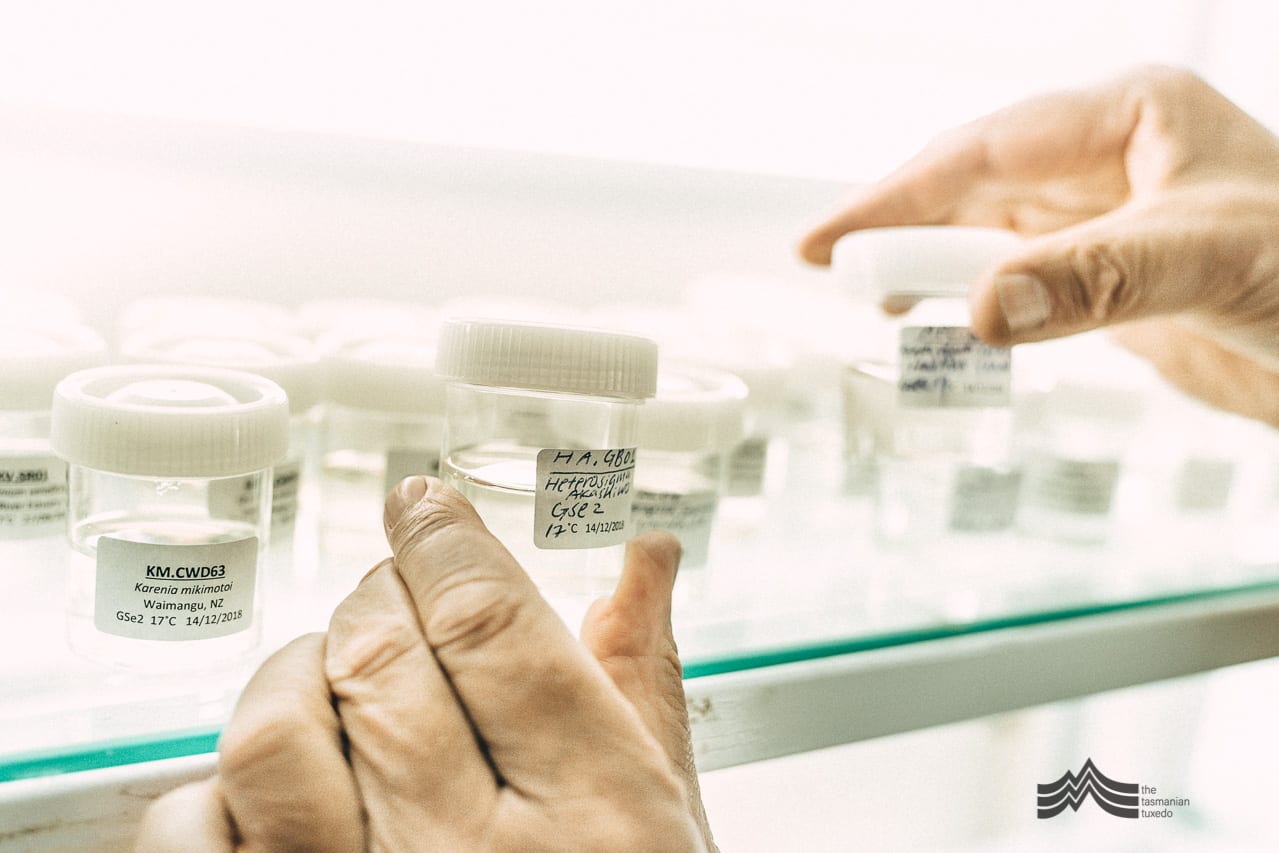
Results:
[630, 635]
[284, 728]
[190, 819]
[1145, 259]
[424, 781]
[553, 724]
[1203, 368]
[1043, 164]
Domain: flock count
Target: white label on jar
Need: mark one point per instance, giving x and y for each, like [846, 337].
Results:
[33, 494]
[948, 367]
[984, 499]
[175, 592]
[689, 516]
[747, 464]
[1203, 484]
[409, 462]
[1073, 485]
[583, 498]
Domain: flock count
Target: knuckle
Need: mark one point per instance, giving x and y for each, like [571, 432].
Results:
[366, 651]
[470, 612]
[1102, 282]
[262, 736]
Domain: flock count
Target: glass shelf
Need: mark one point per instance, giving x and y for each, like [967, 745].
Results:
[798, 579]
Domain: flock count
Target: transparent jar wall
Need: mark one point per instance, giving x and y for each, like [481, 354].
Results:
[492, 441]
[365, 453]
[33, 508]
[679, 492]
[943, 457]
[164, 572]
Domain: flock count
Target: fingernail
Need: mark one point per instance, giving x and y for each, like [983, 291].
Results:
[408, 492]
[1024, 301]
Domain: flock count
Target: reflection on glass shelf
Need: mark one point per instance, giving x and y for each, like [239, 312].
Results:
[797, 575]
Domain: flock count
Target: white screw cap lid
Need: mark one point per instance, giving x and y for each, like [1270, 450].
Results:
[380, 372]
[925, 260]
[557, 359]
[34, 361]
[291, 362]
[170, 421]
[696, 409]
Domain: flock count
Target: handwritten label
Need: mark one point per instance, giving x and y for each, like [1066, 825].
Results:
[175, 592]
[948, 367]
[1080, 487]
[33, 495]
[583, 498]
[688, 515]
[984, 499]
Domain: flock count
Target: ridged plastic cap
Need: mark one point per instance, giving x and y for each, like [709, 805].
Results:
[557, 359]
[696, 409]
[291, 362]
[380, 372]
[927, 260]
[34, 360]
[170, 421]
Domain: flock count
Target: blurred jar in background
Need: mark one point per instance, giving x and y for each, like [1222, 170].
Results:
[935, 407]
[33, 481]
[383, 421]
[686, 433]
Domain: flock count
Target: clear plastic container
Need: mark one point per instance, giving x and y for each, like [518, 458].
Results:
[541, 437]
[944, 454]
[33, 481]
[383, 421]
[291, 362]
[686, 433]
[170, 508]
[1078, 442]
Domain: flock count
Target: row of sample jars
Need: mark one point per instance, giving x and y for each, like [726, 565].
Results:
[1073, 441]
[197, 456]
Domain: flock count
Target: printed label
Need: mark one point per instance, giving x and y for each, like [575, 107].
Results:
[583, 498]
[948, 367]
[747, 464]
[1072, 485]
[406, 462]
[688, 516]
[33, 495]
[175, 592]
[984, 499]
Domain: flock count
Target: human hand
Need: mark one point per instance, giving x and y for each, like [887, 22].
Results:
[1151, 198]
[448, 708]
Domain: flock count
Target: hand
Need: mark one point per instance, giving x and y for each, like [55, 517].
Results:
[1151, 198]
[448, 708]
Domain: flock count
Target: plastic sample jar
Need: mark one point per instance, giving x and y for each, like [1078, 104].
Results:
[686, 434]
[291, 362]
[541, 437]
[164, 570]
[384, 421]
[1079, 438]
[33, 481]
[948, 464]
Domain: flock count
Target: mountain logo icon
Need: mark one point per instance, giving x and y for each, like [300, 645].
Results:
[1117, 798]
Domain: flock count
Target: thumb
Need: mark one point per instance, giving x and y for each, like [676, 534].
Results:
[630, 635]
[1137, 261]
